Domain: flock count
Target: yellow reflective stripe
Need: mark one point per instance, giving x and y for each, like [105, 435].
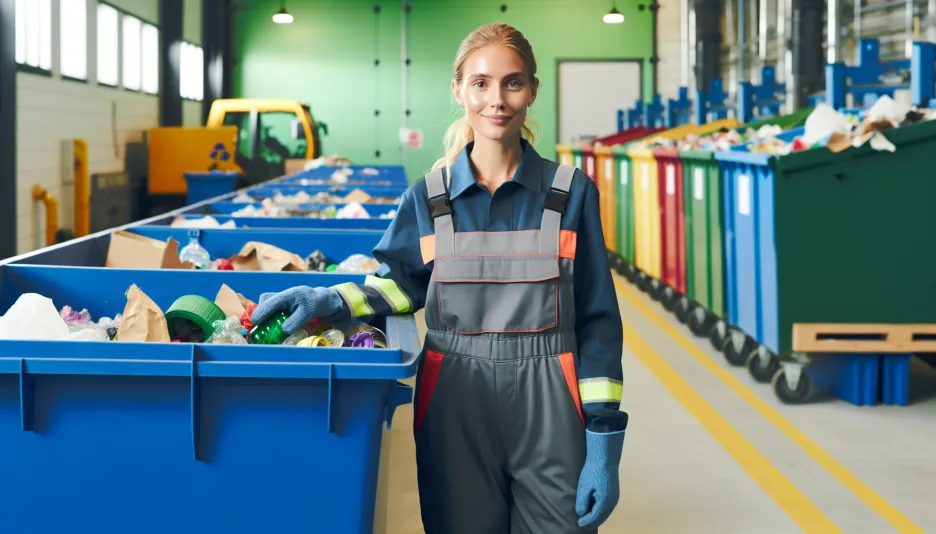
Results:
[391, 292]
[600, 390]
[355, 299]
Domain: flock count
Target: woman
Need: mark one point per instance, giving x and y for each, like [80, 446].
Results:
[517, 426]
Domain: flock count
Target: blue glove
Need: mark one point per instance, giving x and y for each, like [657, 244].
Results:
[304, 304]
[598, 487]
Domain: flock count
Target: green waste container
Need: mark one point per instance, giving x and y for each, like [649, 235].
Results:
[705, 274]
[625, 205]
[793, 120]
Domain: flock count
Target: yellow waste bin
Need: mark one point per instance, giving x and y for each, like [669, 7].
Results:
[607, 192]
[564, 154]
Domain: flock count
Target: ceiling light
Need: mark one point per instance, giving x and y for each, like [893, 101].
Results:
[282, 16]
[614, 16]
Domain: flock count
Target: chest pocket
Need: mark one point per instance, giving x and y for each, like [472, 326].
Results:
[498, 294]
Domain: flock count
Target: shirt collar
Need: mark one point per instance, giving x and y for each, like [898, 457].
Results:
[529, 172]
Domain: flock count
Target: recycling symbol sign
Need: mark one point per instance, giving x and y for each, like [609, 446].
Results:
[220, 153]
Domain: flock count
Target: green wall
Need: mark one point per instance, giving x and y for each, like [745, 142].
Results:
[326, 58]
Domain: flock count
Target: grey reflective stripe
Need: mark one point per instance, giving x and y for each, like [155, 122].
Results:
[444, 230]
[549, 229]
[496, 269]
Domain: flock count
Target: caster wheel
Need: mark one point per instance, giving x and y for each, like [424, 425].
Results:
[762, 372]
[803, 392]
[718, 333]
[700, 321]
[628, 271]
[668, 298]
[641, 280]
[684, 309]
[655, 289]
[737, 347]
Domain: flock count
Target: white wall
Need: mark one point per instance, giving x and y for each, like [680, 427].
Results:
[192, 32]
[671, 65]
[51, 109]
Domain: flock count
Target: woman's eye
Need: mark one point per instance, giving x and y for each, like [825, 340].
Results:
[478, 83]
[515, 83]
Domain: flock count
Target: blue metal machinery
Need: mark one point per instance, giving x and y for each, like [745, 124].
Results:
[653, 113]
[922, 80]
[864, 80]
[678, 112]
[711, 106]
[761, 101]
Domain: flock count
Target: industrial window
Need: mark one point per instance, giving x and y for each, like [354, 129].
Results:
[108, 45]
[150, 62]
[74, 39]
[191, 83]
[34, 34]
[132, 53]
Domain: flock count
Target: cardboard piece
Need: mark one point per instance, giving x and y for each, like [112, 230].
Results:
[358, 196]
[231, 303]
[294, 165]
[142, 319]
[133, 251]
[256, 256]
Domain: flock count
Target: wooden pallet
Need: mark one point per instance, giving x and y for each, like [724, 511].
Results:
[864, 338]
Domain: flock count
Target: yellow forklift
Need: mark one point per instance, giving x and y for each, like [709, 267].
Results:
[252, 136]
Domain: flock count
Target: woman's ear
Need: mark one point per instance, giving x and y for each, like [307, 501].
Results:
[455, 91]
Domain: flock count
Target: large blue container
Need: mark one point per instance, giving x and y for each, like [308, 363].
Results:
[269, 190]
[395, 174]
[374, 210]
[123, 437]
[92, 252]
[206, 185]
[291, 223]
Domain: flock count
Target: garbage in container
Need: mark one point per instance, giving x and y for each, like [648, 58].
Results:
[33, 316]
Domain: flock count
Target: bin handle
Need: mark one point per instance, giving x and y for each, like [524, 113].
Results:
[398, 395]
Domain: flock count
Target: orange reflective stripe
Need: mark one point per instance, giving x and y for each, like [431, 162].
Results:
[427, 247]
[568, 369]
[567, 240]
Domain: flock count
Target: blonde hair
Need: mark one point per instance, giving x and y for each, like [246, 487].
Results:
[460, 133]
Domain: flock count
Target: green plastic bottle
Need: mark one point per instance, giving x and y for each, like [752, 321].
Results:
[270, 332]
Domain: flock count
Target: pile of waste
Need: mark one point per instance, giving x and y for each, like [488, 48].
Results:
[256, 256]
[269, 209]
[302, 197]
[190, 319]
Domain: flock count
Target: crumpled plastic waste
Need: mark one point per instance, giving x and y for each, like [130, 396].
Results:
[33, 317]
[89, 334]
[822, 122]
[361, 340]
[202, 222]
[358, 264]
[74, 319]
[341, 175]
[352, 211]
[887, 109]
[317, 261]
[370, 171]
[296, 337]
[228, 331]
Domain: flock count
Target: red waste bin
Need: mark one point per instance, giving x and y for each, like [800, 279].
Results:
[672, 219]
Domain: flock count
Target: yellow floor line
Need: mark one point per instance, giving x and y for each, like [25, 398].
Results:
[806, 514]
[872, 499]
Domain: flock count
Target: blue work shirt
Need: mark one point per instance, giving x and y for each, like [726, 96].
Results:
[516, 205]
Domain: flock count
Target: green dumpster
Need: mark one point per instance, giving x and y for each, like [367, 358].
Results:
[793, 120]
[702, 187]
[625, 209]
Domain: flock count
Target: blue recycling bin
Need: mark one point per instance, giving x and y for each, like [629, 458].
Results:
[270, 190]
[228, 208]
[220, 243]
[206, 185]
[116, 437]
[291, 223]
[393, 174]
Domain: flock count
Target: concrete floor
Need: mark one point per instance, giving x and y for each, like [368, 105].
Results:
[710, 450]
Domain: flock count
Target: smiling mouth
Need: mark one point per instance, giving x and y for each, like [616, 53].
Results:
[500, 119]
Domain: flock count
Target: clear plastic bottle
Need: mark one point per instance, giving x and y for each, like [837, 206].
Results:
[194, 252]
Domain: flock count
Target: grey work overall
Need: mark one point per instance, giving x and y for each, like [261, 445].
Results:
[500, 434]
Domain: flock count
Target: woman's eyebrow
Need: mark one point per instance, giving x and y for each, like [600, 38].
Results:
[482, 75]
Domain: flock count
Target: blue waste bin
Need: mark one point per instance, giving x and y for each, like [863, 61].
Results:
[291, 223]
[207, 185]
[116, 437]
[228, 208]
[334, 244]
[270, 190]
[393, 174]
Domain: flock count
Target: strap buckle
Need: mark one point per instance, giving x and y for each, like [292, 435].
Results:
[556, 200]
[439, 206]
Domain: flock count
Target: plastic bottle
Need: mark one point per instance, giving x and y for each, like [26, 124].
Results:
[194, 253]
[270, 332]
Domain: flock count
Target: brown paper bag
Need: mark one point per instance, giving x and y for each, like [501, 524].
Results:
[231, 303]
[142, 319]
[128, 250]
[256, 256]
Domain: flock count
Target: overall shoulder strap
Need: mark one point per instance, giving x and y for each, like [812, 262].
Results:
[553, 208]
[440, 209]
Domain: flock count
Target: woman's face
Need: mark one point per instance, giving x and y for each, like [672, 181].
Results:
[495, 92]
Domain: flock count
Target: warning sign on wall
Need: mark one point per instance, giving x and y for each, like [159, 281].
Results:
[411, 138]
